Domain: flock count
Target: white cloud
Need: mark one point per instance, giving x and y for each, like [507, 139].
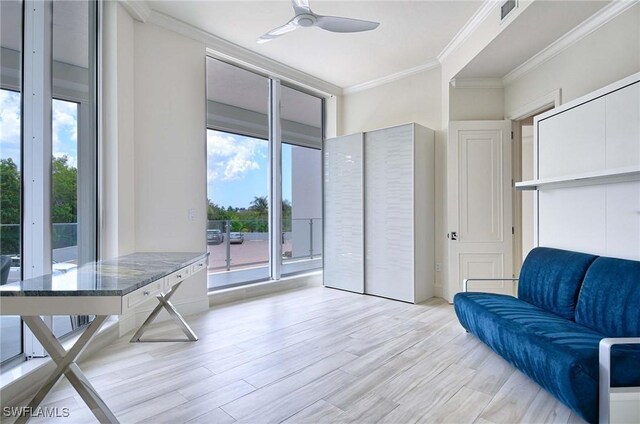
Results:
[65, 130]
[64, 127]
[231, 157]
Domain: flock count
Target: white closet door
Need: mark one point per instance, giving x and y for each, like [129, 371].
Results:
[389, 264]
[343, 214]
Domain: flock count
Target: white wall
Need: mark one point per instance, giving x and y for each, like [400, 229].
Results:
[474, 104]
[118, 187]
[170, 156]
[412, 99]
[170, 171]
[610, 53]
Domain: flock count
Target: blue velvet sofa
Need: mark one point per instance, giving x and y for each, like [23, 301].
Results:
[567, 303]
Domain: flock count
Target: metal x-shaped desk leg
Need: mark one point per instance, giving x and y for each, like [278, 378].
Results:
[65, 361]
[163, 300]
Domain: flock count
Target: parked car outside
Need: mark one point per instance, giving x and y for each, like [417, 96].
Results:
[236, 238]
[214, 237]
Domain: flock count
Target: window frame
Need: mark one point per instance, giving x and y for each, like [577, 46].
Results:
[274, 160]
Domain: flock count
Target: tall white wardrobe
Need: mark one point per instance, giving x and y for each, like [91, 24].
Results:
[379, 213]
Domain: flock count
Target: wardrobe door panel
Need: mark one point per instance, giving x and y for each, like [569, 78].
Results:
[343, 213]
[389, 234]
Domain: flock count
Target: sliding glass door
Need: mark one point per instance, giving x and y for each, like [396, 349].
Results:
[48, 150]
[254, 158]
[10, 166]
[237, 175]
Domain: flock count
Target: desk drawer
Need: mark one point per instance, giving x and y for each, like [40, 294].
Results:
[173, 279]
[199, 266]
[143, 294]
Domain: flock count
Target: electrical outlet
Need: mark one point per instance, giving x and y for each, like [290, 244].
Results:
[438, 266]
[192, 214]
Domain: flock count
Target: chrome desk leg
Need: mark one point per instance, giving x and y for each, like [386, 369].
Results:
[65, 361]
[163, 302]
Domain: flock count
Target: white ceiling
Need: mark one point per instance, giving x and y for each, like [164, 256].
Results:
[411, 33]
[524, 37]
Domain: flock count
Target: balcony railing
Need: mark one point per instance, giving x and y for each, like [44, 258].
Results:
[233, 245]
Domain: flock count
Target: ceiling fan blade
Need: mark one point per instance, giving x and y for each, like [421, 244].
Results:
[301, 6]
[338, 24]
[277, 32]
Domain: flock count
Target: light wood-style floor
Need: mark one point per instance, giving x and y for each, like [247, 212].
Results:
[314, 355]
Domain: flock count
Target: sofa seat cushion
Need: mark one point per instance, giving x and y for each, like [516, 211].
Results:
[560, 355]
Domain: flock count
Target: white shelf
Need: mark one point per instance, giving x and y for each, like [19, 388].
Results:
[592, 178]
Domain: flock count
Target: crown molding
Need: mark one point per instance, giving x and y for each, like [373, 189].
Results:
[138, 9]
[223, 49]
[591, 24]
[469, 27]
[431, 64]
[476, 83]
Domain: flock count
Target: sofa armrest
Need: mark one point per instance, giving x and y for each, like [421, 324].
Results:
[605, 372]
[465, 282]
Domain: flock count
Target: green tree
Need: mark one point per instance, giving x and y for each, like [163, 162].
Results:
[9, 207]
[286, 215]
[260, 205]
[64, 205]
[216, 213]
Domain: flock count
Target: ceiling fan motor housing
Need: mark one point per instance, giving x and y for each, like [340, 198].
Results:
[306, 20]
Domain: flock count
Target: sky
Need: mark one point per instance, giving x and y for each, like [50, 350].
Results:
[237, 169]
[64, 124]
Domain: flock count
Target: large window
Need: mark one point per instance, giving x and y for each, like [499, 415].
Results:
[48, 153]
[263, 177]
[10, 167]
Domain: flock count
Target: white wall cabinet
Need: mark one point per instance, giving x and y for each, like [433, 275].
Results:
[397, 204]
[588, 177]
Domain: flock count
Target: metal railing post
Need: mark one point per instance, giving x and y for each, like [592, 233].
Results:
[227, 231]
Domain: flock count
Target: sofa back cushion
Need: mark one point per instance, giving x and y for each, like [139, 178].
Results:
[609, 300]
[551, 278]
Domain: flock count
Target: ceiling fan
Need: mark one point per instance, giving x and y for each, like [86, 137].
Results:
[306, 18]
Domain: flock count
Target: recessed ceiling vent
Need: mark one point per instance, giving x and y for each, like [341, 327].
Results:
[506, 8]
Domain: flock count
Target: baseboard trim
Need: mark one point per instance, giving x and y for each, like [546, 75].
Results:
[237, 294]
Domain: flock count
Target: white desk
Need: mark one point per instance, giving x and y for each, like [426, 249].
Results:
[104, 288]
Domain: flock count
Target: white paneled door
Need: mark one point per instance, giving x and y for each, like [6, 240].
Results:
[479, 204]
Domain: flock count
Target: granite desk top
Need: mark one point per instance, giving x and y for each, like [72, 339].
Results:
[112, 277]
